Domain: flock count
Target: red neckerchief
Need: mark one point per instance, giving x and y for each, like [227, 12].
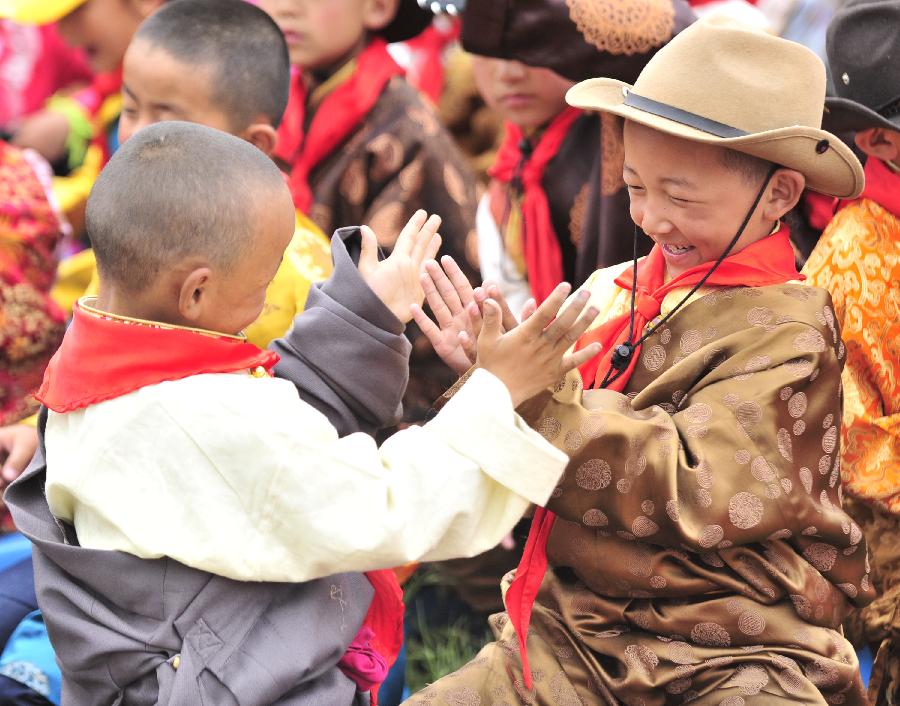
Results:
[766, 262]
[543, 256]
[426, 71]
[882, 186]
[102, 358]
[339, 114]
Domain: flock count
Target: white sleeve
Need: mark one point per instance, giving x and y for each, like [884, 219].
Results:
[254, 484]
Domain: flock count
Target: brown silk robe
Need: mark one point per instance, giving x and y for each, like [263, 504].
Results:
[402, 159]
[700, 553]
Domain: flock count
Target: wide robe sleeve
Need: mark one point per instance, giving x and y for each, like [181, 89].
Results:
[748, 453]
[257, 486]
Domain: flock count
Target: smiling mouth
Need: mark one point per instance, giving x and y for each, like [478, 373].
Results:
[677, 249]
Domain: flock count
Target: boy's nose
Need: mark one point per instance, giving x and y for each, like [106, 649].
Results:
[509, 70]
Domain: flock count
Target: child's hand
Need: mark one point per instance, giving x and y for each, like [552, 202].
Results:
[457, 310]
[395, 280]
[534, 355]
[18, 442]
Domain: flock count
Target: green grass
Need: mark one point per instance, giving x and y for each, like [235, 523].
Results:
[438, 650]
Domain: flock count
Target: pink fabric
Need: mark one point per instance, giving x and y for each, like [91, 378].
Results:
[34, 64]
[362, 664]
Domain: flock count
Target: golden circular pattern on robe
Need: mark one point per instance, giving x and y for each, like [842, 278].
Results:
[797, 405]
[821, 555]
[807, 479]
[748, 414]
[654, 358]
[644, 527]
[785, 445]
[680, 652]
[691, 340]
[745, 510]
[710, 536]
[463, 696]
[810, 341]
[750, 679]
[549, 428]
[594, 474]
[751, 623]
[354, 183]
[829, 441]
[573, 440]
[799, 427]
[648, 507]
[679, 686]
[710, 635]
[620, 27]
[761, 470]
[641, 658]
[595, 518]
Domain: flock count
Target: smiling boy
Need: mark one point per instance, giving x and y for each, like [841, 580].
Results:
[696, 550]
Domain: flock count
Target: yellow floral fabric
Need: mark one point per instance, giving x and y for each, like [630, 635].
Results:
[858, 261]
[306, 261]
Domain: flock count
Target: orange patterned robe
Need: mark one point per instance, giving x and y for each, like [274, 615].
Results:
[858, 261]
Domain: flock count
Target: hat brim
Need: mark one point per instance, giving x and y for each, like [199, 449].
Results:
[836, 172]
[37, 12]
[410, 21]
[845, 115]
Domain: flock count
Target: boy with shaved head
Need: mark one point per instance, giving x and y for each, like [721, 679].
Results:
[192, 513]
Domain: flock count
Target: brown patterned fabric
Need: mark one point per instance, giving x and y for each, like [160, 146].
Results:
[701, 554]
[400, 160]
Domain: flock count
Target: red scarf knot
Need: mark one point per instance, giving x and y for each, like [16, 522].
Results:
[543, 255]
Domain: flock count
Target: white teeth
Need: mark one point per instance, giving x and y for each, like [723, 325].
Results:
[677, 249]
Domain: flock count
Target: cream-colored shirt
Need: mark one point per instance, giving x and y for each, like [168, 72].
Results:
[235, 475]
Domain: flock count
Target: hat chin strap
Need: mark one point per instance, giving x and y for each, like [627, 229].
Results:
[624, 352]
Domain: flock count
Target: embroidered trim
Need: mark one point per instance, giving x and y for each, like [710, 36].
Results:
[623, 26]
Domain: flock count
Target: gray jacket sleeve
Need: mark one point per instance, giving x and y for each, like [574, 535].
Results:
[346, 353]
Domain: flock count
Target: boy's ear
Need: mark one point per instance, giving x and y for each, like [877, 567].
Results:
[261, 135]
[378, 14]
[880, 143]
[785, 191]
[192, 298]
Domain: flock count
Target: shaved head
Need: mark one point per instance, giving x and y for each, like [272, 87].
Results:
[173, 191]
[241, 44]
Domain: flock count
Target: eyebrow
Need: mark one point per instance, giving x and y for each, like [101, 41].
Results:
[127, 90]
[674, 181]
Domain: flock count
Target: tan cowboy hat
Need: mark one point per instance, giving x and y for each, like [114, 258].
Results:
[720, 84]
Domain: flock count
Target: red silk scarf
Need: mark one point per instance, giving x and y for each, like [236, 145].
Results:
[543, 256]
[882, 186]
[102, 358]
[338, 115]
[766, 262]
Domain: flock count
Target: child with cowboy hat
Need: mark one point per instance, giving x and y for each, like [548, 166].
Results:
[695, 550]
[857, 260]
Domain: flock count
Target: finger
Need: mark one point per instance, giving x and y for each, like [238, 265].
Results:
[435, 301]
[432, 250]
[570, 337]
[528, 309]
[18, 460]
[422, 239]
[574, 360]
[567, 317]
[547, 311]
[406, 238]
[429, 328]
[467, 343]
[458, 279]
[475, 319]
[368, 253]
[445, 288]
[490, 331]
[509, 319]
